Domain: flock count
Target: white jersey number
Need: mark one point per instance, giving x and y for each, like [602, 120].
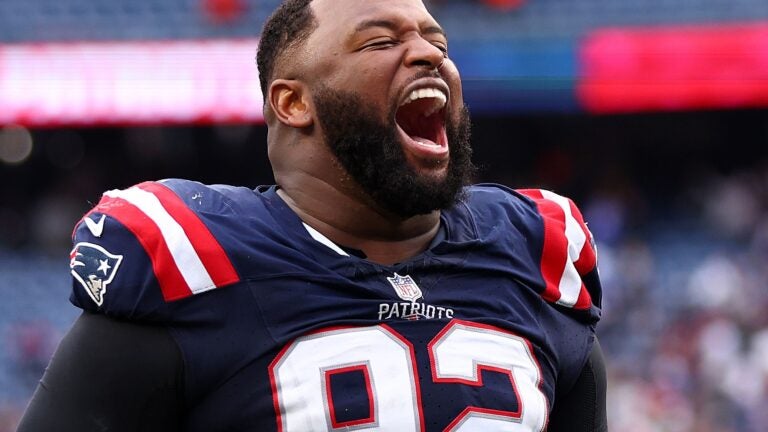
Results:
[303, 398]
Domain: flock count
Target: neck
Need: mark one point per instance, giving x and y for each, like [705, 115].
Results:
[348, 218]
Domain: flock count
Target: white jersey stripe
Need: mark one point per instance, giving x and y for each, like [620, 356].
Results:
[184, 255]
[324, 240]
[570, 282]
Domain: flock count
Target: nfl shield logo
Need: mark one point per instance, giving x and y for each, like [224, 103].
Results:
[405, 287]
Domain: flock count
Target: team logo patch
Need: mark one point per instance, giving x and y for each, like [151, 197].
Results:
[410, 308]
[94, 268]
[405, 287]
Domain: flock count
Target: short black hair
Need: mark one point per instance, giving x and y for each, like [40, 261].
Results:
[291, 23]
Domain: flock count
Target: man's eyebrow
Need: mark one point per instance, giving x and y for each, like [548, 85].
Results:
[365, 25]
[434, 30]
[391, 25]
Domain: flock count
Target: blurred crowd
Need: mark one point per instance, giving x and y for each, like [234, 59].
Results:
[685, 328]
[33, 317]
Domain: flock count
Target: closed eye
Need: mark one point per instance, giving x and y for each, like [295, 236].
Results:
[380, 44]
[441, 47]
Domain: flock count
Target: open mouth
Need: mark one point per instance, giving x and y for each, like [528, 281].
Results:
[421, 116]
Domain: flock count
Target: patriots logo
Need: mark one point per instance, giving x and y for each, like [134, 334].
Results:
[94, 267]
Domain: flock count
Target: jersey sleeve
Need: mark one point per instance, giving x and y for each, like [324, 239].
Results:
[111, 375]
[143, 247]
[568, 255]
[582, 408]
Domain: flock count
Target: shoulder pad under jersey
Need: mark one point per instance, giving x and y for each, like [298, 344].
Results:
[144, 246]
[568, 252]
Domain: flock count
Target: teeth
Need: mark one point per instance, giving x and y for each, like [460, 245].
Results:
[436, 95]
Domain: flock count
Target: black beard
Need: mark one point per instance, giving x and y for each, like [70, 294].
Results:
[370, 152]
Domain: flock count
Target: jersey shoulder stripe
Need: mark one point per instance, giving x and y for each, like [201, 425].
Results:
[186, 258]
[568, 252]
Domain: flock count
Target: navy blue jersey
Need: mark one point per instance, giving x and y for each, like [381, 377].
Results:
[282, 330]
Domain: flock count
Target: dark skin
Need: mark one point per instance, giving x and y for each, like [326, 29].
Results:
[374, 49]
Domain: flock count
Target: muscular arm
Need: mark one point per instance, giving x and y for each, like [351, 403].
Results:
[582, 409]
[109, 375]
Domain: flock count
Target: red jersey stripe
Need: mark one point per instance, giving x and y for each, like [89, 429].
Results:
[554, 252]
[208, 249]
[556, 266]
[146, 231]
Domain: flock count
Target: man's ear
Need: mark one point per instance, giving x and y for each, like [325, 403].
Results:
[289, 102]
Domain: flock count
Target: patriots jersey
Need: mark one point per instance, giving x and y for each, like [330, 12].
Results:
[280, 329]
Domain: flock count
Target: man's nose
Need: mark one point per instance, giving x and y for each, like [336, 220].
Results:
[422, 52]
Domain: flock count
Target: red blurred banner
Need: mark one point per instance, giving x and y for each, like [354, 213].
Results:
[96, 83]
[674, 68]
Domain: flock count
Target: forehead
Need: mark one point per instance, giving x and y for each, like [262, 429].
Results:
[344, 16]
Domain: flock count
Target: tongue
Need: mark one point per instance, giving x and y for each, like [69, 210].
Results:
[424, 141]
[411, 119]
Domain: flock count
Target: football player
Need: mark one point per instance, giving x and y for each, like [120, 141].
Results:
[371, 288]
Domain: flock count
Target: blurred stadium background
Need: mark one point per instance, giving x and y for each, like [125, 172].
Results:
[651, 114]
